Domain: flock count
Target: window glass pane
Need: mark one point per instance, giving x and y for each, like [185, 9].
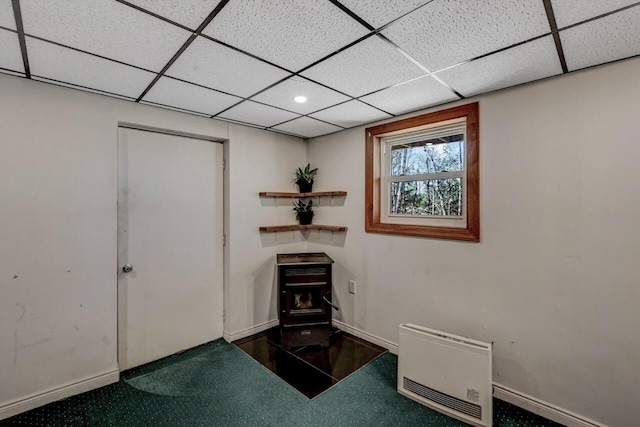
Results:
[433, 197]
[443, 154]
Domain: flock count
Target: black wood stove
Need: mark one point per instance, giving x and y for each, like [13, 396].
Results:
[304, 303]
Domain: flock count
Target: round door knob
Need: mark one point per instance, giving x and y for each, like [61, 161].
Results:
[127, 268]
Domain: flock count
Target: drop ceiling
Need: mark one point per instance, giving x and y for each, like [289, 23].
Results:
[356, 61]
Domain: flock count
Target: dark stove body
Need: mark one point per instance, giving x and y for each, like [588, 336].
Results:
[304, 302]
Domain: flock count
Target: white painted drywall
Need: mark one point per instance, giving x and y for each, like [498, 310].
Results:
[261, 161]
[555, 280]
[58, 187]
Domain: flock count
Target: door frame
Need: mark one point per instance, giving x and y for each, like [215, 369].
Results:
[225, 210]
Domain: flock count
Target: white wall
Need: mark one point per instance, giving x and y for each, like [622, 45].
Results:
[554, 282]
[260, 161]
[58, 178]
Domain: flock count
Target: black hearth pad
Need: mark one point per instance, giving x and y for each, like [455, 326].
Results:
[312, 369]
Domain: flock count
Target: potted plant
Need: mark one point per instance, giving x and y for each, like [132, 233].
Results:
[304, 211]
[304, 178]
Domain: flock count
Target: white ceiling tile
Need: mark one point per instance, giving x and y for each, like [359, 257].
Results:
[568, 12]
[257, 114]
[291, 34]
[178, 94]
[365, 67]
[525, 63]
[76, 87]
[10, 53]
[106, 28]
[67, 65]
[447, 32]
[285, 133]
[378, 13]
[349, 114]
[307, 127]
[413, 95]
[181, 110]
[213, 65]
[603, 40]
[6, 15]
[238, 122]
[189, 13]
[283, 94]
[12, 73]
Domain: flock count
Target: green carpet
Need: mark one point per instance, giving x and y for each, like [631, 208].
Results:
[219, 385]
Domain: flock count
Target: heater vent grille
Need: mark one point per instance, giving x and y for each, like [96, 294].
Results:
[443, 399]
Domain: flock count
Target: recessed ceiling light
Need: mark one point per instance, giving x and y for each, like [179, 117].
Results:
[300, 99]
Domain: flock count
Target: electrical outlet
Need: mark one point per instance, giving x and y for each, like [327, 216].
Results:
[352, 286]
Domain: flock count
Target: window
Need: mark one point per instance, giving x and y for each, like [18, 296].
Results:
[422, 176]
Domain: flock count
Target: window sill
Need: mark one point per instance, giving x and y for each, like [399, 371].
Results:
[449, 233]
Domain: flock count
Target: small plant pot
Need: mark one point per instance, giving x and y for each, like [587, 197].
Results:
[304, 186]
[305, 218]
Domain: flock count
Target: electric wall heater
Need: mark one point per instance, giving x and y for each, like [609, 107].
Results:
[445, 372]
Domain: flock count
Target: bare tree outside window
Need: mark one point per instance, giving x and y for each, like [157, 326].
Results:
[435, 197]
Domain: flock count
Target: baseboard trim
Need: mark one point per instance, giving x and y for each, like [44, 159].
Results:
[392, 347]
[36, 400]
[234, 336]
[542, 408]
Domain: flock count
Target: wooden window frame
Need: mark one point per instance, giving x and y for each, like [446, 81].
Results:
[373, 135]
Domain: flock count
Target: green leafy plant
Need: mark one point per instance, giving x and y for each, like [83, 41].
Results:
[302, 206]
[305, 175]
[304, 211]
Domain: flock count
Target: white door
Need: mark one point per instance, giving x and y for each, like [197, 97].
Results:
[170, 232]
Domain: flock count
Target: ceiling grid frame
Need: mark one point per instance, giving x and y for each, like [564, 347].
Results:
[554, 31]
[184, 47]
[556, 35]
[20, 30]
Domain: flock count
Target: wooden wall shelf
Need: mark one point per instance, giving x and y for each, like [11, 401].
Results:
[294, 227]
[302, 195]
